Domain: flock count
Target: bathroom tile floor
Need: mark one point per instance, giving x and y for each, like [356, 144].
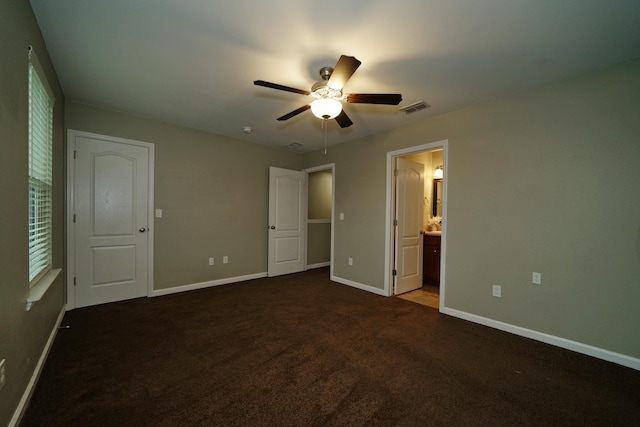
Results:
[427, 295]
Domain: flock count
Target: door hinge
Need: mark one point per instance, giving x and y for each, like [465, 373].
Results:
[395, 172]
[395, 272]
[395, 222]
[74, 218]
[74, 281]
[74, 154]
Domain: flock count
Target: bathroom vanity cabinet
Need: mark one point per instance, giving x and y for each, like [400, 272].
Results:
[431, 260]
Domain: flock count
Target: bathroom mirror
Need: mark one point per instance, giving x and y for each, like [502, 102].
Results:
[436, 208]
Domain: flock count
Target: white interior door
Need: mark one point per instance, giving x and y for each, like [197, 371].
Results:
[409, 208]
[287, 221]
[111, 210]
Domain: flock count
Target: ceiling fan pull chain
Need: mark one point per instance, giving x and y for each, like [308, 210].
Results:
[324, 125]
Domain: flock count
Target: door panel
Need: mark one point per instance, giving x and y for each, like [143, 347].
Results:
[113, 207]
[115, 264]
[409, 208]
[111, 193]
[287, 221]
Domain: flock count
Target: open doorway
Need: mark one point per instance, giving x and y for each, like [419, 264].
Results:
[320, 217]
[429, 293]
[433, 158]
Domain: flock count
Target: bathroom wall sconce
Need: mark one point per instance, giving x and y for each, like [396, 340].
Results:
[438, 173]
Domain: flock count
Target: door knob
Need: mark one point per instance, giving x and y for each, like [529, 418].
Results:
[142, 230]
[273, 227]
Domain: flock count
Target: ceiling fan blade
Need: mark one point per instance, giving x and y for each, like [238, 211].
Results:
[295, 112]
[343, 120]
[280, 87]
[374, 98]
[346, 66]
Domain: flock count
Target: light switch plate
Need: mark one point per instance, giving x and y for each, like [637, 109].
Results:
[497, 291]
[536, 278]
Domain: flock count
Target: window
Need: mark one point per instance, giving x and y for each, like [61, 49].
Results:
[41, 103]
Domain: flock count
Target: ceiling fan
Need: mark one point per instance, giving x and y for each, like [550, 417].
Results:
[328, 96]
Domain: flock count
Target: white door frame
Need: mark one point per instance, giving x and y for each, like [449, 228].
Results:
[389, 228]
[332, 168]
[70, 235]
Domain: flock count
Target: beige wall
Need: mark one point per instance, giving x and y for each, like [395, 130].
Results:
[213, 192]
[546, 182]
[319, 243]
[320, 193]
[23, 334]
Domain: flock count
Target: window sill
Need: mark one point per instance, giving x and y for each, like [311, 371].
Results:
[38, 290]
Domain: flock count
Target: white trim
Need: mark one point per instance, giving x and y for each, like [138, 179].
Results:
[71, 235]
[578, 347]
[389, 231]
[320, 168]
[203, 285]
[33, 58]
[71, 135]
[26, 396]
[357, 285]
[318, 265]
[38, 290]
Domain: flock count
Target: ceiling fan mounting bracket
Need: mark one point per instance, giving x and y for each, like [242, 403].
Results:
[325, 72]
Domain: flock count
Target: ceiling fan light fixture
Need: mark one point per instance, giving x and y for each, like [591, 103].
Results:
[326, 108]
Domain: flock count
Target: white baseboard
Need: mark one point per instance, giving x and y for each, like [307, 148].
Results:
[26, 396]
[202, 285]
[359, 285]
[610, 356]
[318, 265]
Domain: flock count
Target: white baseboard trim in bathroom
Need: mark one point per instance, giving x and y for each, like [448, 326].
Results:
[318, 265]
[358, 285]
[26, 396]
[610, 356]
[202, 285]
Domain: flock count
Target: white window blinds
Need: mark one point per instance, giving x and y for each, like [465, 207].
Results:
[41, 104]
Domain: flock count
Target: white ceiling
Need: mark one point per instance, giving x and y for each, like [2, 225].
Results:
[193, 62]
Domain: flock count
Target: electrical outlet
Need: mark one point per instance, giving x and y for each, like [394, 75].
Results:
[536, 278]
[211, 261]
[497, 291]
[3, 377]
[350, 261]
[225, 259]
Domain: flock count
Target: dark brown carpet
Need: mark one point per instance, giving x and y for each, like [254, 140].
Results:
[300, 350]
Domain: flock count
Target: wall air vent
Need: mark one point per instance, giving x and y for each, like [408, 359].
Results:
[294, 145]
[416, 106]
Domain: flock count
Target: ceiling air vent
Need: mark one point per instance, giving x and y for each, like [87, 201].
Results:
[294, 145]
[416, 106]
